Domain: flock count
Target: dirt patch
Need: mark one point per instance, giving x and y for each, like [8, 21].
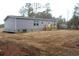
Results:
[72, 44]
[8, 48]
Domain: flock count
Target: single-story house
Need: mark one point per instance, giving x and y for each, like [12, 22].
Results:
[26, 24]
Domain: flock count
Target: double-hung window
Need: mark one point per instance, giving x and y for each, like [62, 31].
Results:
[36, 22]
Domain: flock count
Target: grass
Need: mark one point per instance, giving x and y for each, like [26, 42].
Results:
[55, 42]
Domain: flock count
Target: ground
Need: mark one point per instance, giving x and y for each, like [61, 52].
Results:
[48, 43]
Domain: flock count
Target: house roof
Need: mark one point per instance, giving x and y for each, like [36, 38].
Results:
[27, 18]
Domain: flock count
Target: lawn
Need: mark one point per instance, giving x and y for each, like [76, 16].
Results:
[49, 43]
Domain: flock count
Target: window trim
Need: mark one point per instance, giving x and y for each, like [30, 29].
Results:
[36, 23]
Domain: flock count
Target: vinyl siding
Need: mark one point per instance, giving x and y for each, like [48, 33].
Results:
[17, 25]
[9, 25]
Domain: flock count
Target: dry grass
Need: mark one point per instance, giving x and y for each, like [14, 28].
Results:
[56, 42]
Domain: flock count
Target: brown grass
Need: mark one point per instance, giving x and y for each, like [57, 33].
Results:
[56, 42]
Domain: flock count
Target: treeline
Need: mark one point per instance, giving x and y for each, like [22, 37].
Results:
[2, 26]
[36, 10]
[73, 23]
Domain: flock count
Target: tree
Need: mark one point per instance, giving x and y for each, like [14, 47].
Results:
[22, 11]
[33, 10]
[74, 22]
[47, 6]
[60, 21]
[27, 10]
[46, 13]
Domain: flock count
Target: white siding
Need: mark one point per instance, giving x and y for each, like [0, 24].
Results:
[10, 25]
[24, 24]
[29, 25]
[17, 25]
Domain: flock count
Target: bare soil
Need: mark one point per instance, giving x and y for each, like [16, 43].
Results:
[48, 43]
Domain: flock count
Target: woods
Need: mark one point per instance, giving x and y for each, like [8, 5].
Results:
[36, 10]
[74, 21]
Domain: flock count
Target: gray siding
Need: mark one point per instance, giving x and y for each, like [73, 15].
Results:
[24, 24]
[9, 25]
[18, 25]
[29, 25]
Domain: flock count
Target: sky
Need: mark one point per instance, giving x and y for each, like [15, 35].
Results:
[62, 8]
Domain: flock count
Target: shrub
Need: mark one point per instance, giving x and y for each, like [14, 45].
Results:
[49, 27]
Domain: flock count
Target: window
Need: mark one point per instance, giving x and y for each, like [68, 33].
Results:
[36, 23]
[24, 30]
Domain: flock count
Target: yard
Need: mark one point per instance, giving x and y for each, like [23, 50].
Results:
[49, 43]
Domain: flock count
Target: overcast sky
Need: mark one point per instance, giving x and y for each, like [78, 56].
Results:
[58, 7]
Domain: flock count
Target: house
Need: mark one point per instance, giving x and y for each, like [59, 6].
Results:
[26, 24]
[62, 25]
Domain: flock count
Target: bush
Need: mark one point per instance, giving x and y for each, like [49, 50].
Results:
[49, 27]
